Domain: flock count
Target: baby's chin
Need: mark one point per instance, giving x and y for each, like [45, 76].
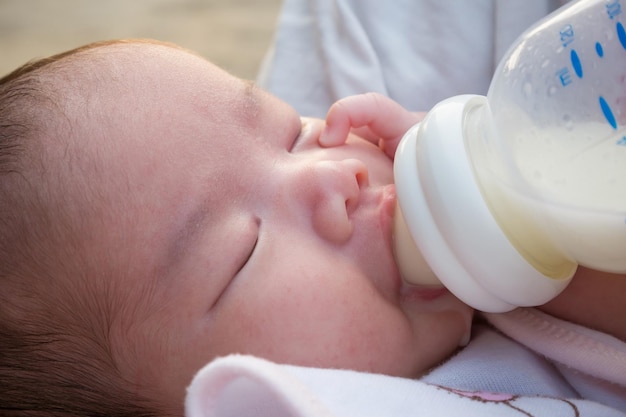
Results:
[453, 316]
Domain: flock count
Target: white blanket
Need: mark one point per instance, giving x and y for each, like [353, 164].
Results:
[493, 376]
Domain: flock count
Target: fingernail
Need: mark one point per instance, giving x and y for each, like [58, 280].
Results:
[324, 139]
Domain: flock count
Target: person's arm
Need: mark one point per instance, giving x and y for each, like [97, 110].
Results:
[593, 299]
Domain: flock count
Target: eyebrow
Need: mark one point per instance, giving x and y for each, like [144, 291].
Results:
[181, 238]
[188, 233]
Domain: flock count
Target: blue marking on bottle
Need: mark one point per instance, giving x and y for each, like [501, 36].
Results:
[578, 68]
[608, 113]
[564, 76]
[599, 49]
[613, 8]
[622, 141]
[567, 35]
[621, 34]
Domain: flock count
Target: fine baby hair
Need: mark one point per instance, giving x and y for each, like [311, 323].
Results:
[158, 212]
[55, 357]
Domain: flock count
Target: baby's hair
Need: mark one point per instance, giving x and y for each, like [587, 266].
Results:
[55, 357]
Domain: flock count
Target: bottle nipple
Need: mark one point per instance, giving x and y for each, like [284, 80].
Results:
[413, 267]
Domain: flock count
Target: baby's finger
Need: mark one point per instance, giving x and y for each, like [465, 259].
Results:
[390, 145]
[383, 117]
[346, 115]
[338, 125]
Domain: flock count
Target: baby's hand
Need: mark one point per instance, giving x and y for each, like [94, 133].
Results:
[371, 116]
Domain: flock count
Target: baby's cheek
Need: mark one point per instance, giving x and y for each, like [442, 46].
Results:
[364, 332]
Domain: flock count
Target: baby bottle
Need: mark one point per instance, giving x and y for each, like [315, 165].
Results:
[502, 197]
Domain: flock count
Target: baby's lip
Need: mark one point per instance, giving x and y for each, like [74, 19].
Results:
[386, 212]
[423, 293]
[373, 221]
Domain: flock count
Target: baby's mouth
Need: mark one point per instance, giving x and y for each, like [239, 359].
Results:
[423, 293]
[387, 206]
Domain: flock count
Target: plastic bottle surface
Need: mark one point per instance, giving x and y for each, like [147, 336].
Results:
[505, 195]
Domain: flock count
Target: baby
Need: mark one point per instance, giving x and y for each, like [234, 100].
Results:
[157, 212]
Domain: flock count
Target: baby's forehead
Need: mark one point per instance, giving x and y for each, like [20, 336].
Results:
[91, 87]
[93, 68]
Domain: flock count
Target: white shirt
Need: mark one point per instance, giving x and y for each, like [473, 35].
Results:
[417, 52]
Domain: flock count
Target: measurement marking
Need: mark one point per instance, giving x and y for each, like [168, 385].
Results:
[613, 8]
[608, 113]
[621, 34]
[578, 68]
[564, 77]
[567, 35]
[599, 49]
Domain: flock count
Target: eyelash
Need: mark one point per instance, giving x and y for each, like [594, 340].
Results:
[250, 254]
[296, 139]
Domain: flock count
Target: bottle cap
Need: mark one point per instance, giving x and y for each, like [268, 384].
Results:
[452, 225]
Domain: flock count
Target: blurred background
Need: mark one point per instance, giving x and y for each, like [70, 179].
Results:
[234, 34]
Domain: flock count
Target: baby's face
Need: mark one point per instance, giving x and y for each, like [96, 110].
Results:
[237, 232]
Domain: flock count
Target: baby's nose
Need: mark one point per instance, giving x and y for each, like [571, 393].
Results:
[339, 185]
